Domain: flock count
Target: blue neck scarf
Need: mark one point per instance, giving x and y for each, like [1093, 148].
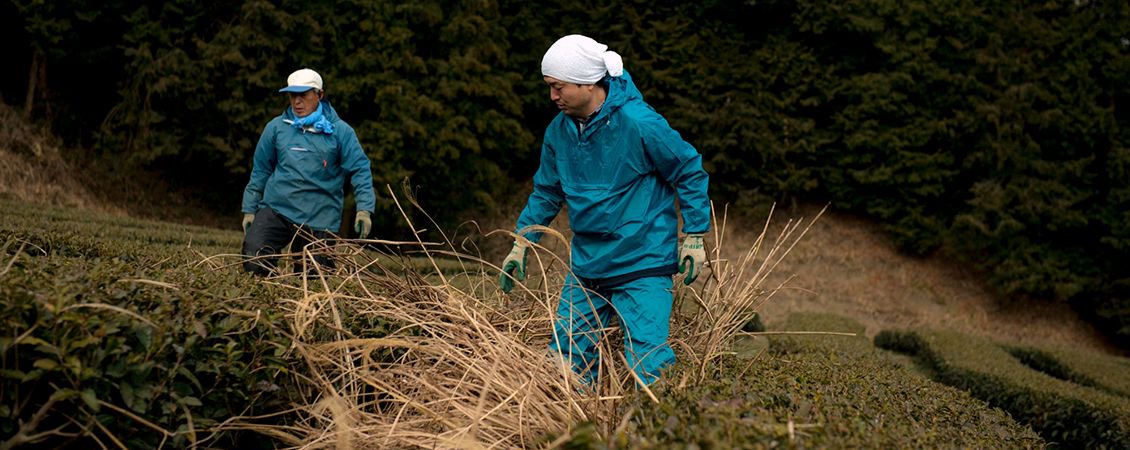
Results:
[316, 120]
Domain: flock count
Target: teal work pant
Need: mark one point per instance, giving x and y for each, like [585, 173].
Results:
[641, 308]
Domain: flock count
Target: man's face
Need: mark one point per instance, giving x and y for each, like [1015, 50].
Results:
[305, 103]
[573, 99]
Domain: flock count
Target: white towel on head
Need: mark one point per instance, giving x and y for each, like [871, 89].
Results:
[580, 59]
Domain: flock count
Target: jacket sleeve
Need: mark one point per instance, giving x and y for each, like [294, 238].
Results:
[546, 199]
[262, 166]
[679, 164]
[356, 163]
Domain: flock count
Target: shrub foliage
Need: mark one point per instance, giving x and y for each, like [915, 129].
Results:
[139, 334]
[119, 341]
[820, 391]
[1048, 398]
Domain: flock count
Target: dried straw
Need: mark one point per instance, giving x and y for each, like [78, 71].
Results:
[733, 293]
[468, 367]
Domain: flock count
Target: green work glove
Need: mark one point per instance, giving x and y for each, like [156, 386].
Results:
[362, 224]
[247, 219]
[691, 257]
[514, 266]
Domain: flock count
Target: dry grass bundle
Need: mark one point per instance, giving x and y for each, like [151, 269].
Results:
[465, 366]
[462, 367]
[449, 375]
[456, 381]
[733, 293]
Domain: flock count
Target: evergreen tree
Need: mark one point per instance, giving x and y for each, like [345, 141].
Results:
[992, 131]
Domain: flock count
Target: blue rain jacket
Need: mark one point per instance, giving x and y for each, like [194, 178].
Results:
[300, 173]
[619, 178]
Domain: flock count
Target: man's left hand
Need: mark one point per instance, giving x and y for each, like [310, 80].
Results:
[692, 255]
[362, 224]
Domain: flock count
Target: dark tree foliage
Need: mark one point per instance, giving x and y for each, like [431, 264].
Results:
[995, 132]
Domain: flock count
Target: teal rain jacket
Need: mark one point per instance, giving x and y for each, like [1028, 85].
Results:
[619, 178]
[300, 173]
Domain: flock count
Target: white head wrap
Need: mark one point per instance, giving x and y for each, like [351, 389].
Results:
[580, 59]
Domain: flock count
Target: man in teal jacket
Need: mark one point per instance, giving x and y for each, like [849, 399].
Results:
[297, 185]
[618, 166]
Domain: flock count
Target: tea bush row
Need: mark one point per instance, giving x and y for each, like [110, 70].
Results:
[88, 347]
[820, 391]
[88, 234]
[1062, 411]
[114, 333]
[111, 337]
[1103, 372]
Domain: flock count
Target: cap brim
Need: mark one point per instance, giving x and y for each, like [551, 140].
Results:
[296, 89]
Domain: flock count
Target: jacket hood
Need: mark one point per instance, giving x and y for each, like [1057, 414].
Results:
[621, 90]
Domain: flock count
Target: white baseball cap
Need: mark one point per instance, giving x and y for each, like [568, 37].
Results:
[302, 80]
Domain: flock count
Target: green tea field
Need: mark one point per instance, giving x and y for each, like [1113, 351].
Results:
[125, 333]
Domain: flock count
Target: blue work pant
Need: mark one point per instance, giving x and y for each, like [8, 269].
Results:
[641, 308]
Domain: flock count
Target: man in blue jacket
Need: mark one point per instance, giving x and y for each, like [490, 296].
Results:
[618, 166]
[298, 177]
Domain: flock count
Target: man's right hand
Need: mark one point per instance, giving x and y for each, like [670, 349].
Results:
[514, 266]
[247, 219]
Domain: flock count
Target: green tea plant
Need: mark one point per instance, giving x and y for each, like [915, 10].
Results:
[1062, 411]
[121, 342]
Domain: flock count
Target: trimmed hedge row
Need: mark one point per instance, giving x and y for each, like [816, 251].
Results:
[1063, 412]
[77, 233]
[817, 391]
[89, 347]
[114, 333]
[1103, 372]
[111, 336]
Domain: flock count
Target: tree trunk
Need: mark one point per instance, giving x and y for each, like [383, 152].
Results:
[32, 79]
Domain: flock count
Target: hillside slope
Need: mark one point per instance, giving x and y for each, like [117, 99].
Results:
[846, 266]
[36, 167]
